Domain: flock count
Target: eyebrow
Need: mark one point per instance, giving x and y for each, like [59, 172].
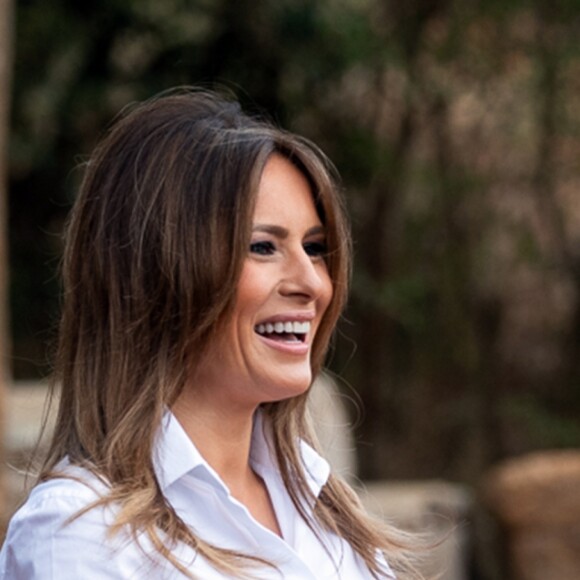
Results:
[282, 233]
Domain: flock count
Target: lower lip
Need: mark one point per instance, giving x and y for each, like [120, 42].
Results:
[296, 348]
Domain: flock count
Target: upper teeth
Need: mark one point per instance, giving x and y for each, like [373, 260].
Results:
[294, 327]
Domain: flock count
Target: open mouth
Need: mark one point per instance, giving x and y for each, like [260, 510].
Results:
[284, 331]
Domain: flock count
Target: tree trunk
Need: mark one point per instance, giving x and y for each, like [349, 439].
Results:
[6, 28]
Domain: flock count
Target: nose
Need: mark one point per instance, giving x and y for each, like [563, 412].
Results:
[304, 277]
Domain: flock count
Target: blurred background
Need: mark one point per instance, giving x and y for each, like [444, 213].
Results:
[456, 128]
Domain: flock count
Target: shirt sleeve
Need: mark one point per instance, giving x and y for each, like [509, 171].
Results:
[42, 545]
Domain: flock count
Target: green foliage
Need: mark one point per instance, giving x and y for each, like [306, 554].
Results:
[545, 428]
[528, 249]
[405, 299]
[430, 111]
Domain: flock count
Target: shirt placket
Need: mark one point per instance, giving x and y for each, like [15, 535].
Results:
[238, 530]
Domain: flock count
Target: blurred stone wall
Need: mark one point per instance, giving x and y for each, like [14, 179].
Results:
[537, 499]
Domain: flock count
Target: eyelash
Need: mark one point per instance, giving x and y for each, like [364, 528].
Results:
[262, 248]
[313, 249]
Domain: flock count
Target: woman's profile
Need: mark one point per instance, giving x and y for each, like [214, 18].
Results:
[206, 263]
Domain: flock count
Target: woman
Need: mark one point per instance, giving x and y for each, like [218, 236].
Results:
[205, 267]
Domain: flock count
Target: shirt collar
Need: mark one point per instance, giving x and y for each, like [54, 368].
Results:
[175, 455]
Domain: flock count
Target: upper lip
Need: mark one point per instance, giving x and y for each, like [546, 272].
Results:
[289, 317]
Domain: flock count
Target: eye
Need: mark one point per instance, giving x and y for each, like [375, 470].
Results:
[315, 249]
[262, 248]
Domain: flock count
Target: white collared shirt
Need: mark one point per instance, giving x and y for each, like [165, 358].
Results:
[41, 545]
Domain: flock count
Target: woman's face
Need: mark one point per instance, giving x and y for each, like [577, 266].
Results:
[284, 290]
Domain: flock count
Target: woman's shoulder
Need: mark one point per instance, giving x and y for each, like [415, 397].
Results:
[52, 503]
[70, 488]
[60, 520]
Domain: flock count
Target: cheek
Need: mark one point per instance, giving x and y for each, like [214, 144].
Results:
[252, 287]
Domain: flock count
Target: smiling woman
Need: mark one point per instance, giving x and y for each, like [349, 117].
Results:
[206, 265]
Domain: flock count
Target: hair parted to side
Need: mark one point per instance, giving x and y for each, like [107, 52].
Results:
[154, 249]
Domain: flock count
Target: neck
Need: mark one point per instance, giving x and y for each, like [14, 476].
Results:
[222, 435]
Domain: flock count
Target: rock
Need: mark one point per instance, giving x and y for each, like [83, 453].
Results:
[537, 499]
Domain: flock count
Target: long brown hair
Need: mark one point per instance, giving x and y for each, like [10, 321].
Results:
[154, 249]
